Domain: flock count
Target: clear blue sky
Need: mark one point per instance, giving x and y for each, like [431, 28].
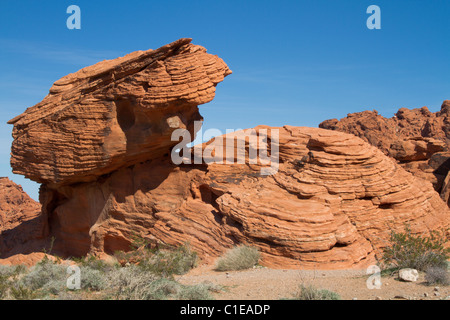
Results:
[295, 62]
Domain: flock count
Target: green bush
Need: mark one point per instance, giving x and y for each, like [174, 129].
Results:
[312, 293]
[415, 251]
[239, 258]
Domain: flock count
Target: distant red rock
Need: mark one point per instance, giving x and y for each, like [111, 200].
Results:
[417, 138]
[20, 218]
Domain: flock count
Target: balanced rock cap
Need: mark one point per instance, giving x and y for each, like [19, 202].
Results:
[114, 113]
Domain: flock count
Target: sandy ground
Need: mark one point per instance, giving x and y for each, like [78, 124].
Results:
[268, 284]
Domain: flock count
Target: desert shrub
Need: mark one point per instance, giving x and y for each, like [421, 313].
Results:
[92, 278]
[8, 283]
[94, 263]
[46, 276]
[416, 251]
[169, 262]
[9, 271]
[150, 279]
[138, 242]
[239, 258]
[312, 293]
[163, 289]
[4, 286]
[200, 291]
[135, 283]
[437, 275]
[140, 250]
[164, 261]
[20, 292]
[19, 269]
[6, 270]
[130, 283]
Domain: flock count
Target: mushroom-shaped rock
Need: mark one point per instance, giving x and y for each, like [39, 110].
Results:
[114, 113]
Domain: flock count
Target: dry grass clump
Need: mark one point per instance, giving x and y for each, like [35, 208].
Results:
[163, 260]
[135, 283]
[169, 262]
[312, 293]
[437, 275]
[239, 258]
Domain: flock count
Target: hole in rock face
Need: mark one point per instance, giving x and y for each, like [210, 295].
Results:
[53, 200]
[125, 114]
[385, 206]
[209, 195]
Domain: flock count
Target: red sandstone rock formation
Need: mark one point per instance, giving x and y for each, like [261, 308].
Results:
[114, 113]
[29, 259]
[20, 218]
[418, 139]
[331, 205]
[100, 144]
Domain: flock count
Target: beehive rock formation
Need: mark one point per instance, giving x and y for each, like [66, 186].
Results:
[331, 205]
[101, 145]
[417, 138]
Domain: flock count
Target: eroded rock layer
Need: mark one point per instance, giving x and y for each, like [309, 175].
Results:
[331, 204]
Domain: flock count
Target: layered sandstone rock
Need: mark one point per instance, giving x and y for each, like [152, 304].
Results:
[417, 138]
[114, 113]
[20, 218]
[101, 146]
[331, 205]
